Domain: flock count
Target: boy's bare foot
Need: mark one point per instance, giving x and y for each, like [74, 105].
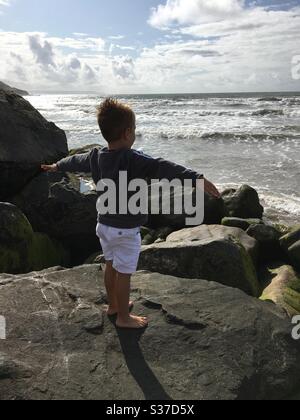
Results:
[133, 322]
[113, 311]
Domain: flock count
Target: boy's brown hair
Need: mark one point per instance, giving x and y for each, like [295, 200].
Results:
[114, 118]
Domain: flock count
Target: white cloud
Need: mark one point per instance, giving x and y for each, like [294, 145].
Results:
[37, 62]
[121, 47]
[193, 11]
[3, 4]
[80, 42]
[247, 48]
[42, 51]
[257, 22]
[80, 34]
[221, 53]
[116, 37]
[123, 68]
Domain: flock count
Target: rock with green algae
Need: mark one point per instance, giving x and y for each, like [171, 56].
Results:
[290, 243]
[291, 237]
[53, 205]
[294, 254]
[283, 288]
[148, 240]
[21, 249]
[46, 252]
[216, 253]
[268, 238]
[243, 224]
[282, 228]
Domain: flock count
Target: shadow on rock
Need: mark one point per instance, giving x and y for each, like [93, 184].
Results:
[138, 366]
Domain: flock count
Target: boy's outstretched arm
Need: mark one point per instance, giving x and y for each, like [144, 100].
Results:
[77, 163]
[149, 167]
[49, 168]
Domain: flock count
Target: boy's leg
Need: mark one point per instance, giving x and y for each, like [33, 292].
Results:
[125, 319]
[110, 280]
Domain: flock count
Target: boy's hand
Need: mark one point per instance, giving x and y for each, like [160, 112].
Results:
[49, 168]
[211, 189]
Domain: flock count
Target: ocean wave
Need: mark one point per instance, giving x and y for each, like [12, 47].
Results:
[295, 113]
[270, 99]
[138, 134]
[243, 136]
[228, 113]
[215, 113]
[292, 101]
[264, 112]
[236, 105]
[197, 134]
[283, 206]
[292, 128]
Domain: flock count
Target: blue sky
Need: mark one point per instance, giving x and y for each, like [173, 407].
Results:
[149, 46]
[97, 18]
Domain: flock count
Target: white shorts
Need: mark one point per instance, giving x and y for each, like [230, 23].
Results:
[120, 246]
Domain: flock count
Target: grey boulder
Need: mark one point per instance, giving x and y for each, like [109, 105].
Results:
[53, 204]
[243, 203]
[290, 243]
[215, 253]
[26, 141]
[23, 250]
[268, 238]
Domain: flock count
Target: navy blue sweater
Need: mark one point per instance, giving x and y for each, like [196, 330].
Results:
[106, 164]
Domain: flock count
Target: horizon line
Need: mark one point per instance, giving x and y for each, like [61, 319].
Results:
[41, 92]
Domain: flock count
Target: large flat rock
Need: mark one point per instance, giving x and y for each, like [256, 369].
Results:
[205, 341]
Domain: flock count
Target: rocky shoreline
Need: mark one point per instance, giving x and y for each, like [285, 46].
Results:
[221, 294]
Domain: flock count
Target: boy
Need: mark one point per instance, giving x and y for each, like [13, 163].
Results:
[119, 234]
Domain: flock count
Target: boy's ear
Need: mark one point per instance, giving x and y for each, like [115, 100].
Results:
[127, 132]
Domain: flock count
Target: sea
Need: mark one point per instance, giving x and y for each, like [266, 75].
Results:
[233, 139]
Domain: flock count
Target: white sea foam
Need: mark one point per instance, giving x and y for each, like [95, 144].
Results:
[282, 207]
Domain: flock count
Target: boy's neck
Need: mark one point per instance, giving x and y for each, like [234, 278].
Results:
[117, 145]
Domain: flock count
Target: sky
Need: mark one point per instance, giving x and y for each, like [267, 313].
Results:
[150, 46]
